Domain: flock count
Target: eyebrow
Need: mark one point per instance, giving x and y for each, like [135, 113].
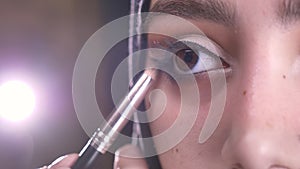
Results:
[213, 10]
[289, 11]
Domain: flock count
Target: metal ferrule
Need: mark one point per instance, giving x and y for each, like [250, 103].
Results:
[106, 135]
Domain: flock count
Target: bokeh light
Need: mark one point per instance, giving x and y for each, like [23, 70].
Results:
[17, 100]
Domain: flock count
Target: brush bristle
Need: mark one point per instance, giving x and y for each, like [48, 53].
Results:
[151, 72]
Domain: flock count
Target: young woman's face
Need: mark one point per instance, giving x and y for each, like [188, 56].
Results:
[260, 125]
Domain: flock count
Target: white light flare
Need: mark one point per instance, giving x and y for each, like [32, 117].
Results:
[17, 100]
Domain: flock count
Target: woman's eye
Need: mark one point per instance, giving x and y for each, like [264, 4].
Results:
[194, 58]
[186, 59]
[191, 54]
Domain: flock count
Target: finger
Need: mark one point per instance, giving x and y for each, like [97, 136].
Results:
[55, 168]
[129, 157]
[64, 162]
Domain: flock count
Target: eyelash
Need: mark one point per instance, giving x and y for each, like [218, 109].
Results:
[192, 44]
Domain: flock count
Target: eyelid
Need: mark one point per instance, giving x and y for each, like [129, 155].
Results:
[196, 42]
[208, 46]
[211, 52]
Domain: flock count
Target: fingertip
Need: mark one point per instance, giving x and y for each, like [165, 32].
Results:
[129, 156]
[64, 161]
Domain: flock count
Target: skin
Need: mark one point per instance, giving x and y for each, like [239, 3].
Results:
[260, 126]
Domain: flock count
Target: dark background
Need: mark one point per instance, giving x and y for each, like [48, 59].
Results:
[39, 43]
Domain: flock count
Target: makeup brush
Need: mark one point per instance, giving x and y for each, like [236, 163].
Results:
[104, 136]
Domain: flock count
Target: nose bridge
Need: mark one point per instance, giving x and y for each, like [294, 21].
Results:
[263, 80]
[261, 135]
[265, 91]
[265, 75]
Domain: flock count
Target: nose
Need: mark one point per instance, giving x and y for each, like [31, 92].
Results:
[264, 122]
[256, 149]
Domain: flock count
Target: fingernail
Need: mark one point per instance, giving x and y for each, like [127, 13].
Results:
[57, 161]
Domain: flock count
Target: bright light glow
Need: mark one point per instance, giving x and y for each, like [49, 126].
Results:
[17, 100]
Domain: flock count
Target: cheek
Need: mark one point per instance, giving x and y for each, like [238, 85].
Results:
[188, 147]
[164, 107]
[163, 119]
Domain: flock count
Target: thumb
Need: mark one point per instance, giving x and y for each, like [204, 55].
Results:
[129, 157]
[64, 161]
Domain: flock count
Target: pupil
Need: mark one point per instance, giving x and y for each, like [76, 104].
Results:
[188, 56]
